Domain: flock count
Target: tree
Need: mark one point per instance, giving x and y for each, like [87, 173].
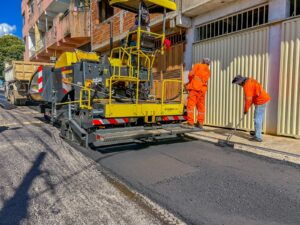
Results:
[11, 48]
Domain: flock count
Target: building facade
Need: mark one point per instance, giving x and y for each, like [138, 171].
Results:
[256, 38]
[51, 27]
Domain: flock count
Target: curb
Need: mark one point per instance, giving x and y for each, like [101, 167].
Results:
[270, 153]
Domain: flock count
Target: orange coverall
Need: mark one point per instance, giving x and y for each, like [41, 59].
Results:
[254, 94]
[197, 87]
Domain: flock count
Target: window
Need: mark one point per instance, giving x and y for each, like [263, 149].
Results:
[105, 11]
[175, 39]
[30, 7]
[233, 23]
[294, 7]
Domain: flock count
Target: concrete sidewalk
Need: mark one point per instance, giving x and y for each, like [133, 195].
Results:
[282, 148]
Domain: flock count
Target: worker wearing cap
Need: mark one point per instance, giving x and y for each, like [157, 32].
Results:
[197, 87]
[254, 94]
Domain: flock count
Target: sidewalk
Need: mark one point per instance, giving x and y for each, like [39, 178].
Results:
[282, 148]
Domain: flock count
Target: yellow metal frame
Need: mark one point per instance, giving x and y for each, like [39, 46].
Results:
[85, 92]
[119, 62]
[137, 109]
[141, 109]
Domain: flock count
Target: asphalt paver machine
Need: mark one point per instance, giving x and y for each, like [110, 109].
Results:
[107, 100]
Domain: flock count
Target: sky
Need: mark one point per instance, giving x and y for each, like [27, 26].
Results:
[11, 18]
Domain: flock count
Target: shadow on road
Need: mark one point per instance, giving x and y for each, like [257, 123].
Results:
[4, 128]
[140, 146]
[226, 131]
[15, 209]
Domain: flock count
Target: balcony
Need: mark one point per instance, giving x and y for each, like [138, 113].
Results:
[193, 8]
[68, 32]
[53, 7]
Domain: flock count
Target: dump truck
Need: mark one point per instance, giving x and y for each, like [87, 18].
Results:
[17, 77]
[107, 100]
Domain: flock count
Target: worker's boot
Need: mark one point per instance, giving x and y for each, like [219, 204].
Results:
[256, 139]
[199, 126]
[187, 125]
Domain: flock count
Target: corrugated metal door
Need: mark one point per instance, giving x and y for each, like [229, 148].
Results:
[289, 86]
[244, 53]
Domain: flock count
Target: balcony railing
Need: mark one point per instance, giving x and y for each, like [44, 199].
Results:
[74, 24]
[32, 51]
[40, 45]
[51, 37]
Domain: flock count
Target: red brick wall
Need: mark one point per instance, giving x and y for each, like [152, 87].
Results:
[100, 31]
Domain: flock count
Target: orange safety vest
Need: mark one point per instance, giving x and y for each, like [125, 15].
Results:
[198, 77]
[254, 94]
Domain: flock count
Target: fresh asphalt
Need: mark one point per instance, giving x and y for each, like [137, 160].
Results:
[203, 183]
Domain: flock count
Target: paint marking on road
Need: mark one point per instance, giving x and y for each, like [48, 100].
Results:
[25, 123]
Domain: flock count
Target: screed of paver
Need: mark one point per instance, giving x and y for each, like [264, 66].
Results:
[45, 181]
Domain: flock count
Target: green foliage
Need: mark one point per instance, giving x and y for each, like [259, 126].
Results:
[11, 48]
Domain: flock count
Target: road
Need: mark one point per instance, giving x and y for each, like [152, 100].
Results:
[43, 180]
[199, 182]
[205, 184]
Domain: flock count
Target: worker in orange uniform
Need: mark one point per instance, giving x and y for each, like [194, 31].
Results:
[197, 88]
[254, 94]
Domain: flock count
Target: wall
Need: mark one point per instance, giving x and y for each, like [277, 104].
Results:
[289, 85]
[212, 15]
[278, 9]
[122, 21]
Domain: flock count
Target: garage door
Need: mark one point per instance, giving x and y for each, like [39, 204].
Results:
[289, 86]
[244, 53]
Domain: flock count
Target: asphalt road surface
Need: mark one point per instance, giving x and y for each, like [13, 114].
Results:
[199, 182]
[205, 184]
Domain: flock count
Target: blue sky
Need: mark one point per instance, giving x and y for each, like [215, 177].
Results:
[11, 18]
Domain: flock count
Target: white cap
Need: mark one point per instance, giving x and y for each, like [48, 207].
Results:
[206, 61]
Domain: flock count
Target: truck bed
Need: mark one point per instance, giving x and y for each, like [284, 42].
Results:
[21, 70]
